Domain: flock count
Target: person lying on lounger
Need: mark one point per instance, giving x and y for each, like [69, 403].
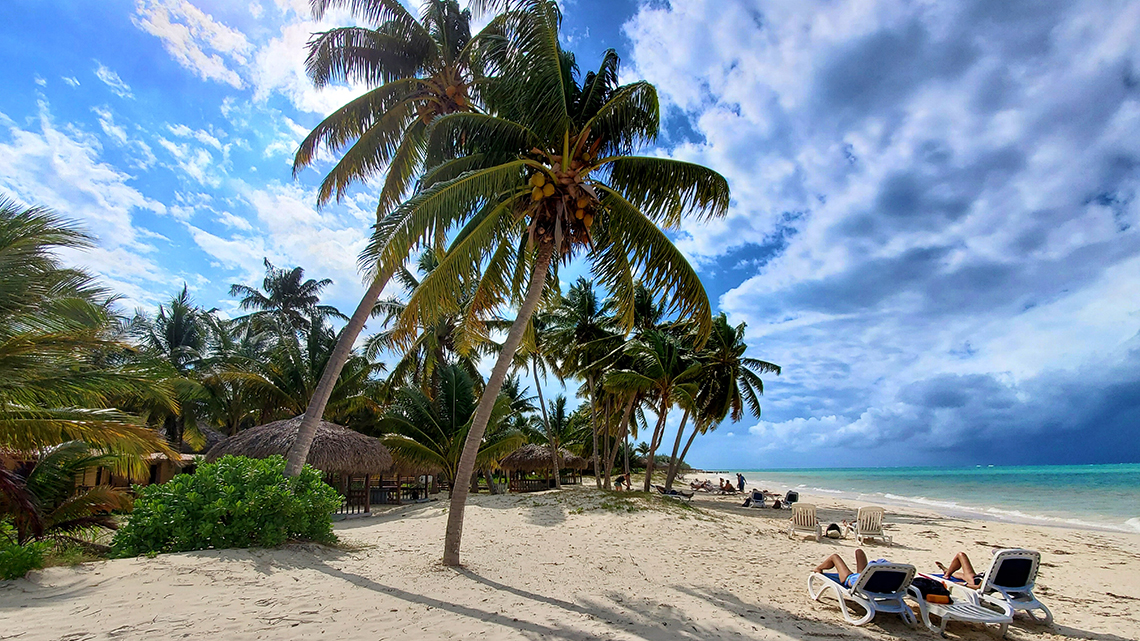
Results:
[961, 566]
[847, 578]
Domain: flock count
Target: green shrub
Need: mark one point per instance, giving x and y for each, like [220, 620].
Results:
[236, 502]
[17, 560]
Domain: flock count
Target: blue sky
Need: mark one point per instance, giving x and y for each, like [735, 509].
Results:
[934, 220]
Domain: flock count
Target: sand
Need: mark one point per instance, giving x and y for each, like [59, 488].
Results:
[572, 565]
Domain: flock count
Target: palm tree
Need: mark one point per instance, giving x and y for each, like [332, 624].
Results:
[661, 368]
[56, 329]
[448, 340]
[431, 430]
[583, 334]
[49, 506]
[547, 177]
[179, 334]
[418, 71]
[286, 378]
[286, 296]
[730, 382]
[537, 355]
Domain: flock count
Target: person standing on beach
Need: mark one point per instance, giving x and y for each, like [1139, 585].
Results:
[740, 481]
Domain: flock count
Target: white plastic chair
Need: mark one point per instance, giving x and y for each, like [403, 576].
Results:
[880, 588]
[803, 521]
[869, 525]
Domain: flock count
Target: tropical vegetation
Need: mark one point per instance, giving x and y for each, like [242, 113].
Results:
[503, 163]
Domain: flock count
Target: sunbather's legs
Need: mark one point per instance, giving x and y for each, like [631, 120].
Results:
[836, 562]
[960, 562]
[860, 559]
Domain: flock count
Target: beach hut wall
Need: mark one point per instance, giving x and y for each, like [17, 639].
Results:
[335, 450]
[533, 458]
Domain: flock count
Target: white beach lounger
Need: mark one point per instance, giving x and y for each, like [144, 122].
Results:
[869, 525]
[965, 605]
[803, 521]
[1010, 578]
[758, 499]
[880, 588]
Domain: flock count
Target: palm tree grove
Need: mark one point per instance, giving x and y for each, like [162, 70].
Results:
[502, 161]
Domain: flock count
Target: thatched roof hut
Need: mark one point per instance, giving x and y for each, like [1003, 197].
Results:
[335, 450]
[531, 458]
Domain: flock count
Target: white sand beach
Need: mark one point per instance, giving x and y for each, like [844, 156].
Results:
[572, 565]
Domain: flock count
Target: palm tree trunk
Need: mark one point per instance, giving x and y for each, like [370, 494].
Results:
[674, 464]
[684, 452]
[549, 437]
[658, 432]
[625, 452]
[454, 533]
[624, 432]
[607, 440]
[299, 453]
[594, 429]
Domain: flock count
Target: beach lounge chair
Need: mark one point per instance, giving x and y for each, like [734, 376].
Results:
[674, 493]
[757, 499]
[869, 525]
[965, 605]
[1010, 578]
[879, 588]
[803, 521]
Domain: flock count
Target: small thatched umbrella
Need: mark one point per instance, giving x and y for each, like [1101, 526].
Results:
[335, 450]
[533, 458]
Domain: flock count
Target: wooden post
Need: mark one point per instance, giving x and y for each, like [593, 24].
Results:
[367, 493]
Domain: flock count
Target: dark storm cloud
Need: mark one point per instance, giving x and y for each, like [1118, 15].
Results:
[965, 261]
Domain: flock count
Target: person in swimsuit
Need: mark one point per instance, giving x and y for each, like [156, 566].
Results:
[966, 574]
[847, 578]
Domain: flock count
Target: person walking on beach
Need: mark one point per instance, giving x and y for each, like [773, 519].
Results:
[740, 481]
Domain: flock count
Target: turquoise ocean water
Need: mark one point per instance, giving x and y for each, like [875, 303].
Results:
[1105, 497]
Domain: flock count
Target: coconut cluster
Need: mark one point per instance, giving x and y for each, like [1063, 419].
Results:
[564, 206]
[444, 95]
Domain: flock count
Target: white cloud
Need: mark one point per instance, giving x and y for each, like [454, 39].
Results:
[203, 45]
[112, 80]
[142, 155]
[70, 80]
[921, 190]
[285, 227]
[63, 170]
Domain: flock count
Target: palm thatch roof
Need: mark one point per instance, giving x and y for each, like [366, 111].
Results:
[335, 450]
[531, 458]
[403, 468]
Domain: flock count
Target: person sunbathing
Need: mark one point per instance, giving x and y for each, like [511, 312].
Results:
[961, 565]
[847, 578]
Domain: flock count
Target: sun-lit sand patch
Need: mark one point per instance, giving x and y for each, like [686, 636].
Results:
[580, 564]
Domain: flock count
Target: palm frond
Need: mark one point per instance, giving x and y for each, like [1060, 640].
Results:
[662, 267]
[665, 189]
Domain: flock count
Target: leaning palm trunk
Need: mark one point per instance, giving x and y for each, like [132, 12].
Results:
[549, 435]
[454, 534]
[594, 429]
[674, 462]
[299, 453]
[654, 443]
[697, 429]
[624, 431]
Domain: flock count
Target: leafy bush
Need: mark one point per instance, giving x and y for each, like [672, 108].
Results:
[236, 502]
[17, 560]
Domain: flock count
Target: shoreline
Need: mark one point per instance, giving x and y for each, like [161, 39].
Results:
[945, 507]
